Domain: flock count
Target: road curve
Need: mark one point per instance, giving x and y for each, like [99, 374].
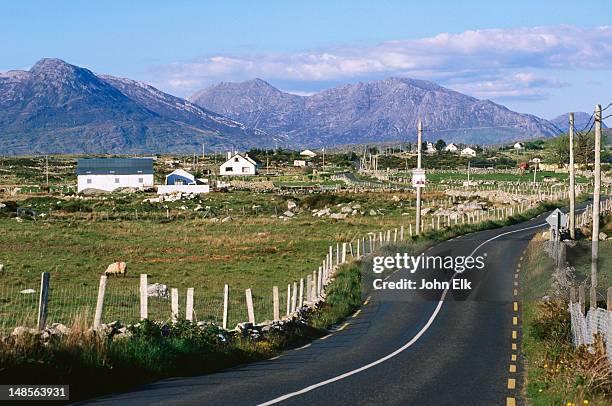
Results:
[421, 352]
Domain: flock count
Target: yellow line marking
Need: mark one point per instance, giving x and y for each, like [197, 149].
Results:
[513, 346]
[515, 305]
[367, 300]
[514, 334]
[512, 368]
[515, 276]
[277, 357]
[515, 292]
[521, 257]
[515, 283]
[343, 327]
[304, 346]
[513, 357]
[326, 337]
[510, 402]
[511, 383]
[515, 321]
[356, 313]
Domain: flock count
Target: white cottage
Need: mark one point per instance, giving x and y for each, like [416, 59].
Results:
[431, 148]
[238, 165]
[518, 146]
[113, 173]
[451, 148]
[468, 152]
[308, 153]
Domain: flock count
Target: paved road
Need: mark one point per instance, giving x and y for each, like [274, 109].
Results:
[417, 352]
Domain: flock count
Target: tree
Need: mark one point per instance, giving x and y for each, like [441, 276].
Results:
[560, 150]
[440, 145]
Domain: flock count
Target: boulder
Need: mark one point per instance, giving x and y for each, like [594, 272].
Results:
[27, 291]
[337, 216]
[157, 290]
[603, 236]
[288, 214]
[291, 205]
[226, 219]
[346, 209]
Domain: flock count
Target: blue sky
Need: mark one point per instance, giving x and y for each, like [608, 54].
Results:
[540, 57]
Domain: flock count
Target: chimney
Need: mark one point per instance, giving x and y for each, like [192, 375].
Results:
[229, 155]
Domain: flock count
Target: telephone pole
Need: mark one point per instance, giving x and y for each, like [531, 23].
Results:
[572, 180]
[418, 189]
[47, 168]
[596, 190]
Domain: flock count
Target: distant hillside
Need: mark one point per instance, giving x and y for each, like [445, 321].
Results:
[581, 120]
[62, 108]
[370, 112]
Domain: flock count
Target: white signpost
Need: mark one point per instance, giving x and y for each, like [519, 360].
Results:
[558, 221]
[418, 178]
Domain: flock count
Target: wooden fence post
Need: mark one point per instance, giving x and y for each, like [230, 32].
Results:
[225, 305]
[581, 298]
[288, 299]
[144, 297]
[402, 233]
[100, 302]
[592, 298]
[301, 296]
[309, 288]
[343, 252]
[174, 304]
[275, 303]
[249, 303]
[43, 300]
[294, 297]
[189, 305]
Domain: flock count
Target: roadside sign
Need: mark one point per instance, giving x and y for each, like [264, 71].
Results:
[557, 220]
[418, 178]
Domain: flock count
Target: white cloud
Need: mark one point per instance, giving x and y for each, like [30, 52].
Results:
[487, 63]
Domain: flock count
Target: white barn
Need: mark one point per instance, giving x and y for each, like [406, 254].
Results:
[109, 174]
[308, 153]
[182, 181]
[238, 165]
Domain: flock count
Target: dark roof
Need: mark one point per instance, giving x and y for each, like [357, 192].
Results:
[117, 166]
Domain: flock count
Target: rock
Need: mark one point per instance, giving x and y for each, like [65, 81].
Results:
[59, 329]
[357, 206]
[323, 212]
[226, 219]
[346, 209]
[395, 198]
[19, 331]
[291, 205]
[372, 212]
[214, 220]
[27, 291]
[157, 290]
[337, 216]
[546, 235]
[425, 210]
[603, 236]
[288, 214]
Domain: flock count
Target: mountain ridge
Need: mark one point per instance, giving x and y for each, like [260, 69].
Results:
[62, 108]
[373, 111]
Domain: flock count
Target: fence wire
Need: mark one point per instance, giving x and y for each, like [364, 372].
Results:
[584, 327]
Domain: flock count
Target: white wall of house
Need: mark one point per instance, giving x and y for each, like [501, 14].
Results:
[238, 166]
[111, 182]
[196, 189]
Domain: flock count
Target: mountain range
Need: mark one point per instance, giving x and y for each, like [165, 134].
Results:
[582, 121]
[56, 107]
[381, 110]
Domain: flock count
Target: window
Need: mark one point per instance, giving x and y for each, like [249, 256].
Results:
[236, 160]
[89, 181]
[140, 180]
[245, 169]
[117, 180]
[229, 169]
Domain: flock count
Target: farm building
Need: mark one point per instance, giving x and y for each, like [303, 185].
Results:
[182, 181]
[300, 163]
[518, 146]
[308, 153]
[431, 149]
[113, 173]
[238, 165]
[451, 148]
[468, 152]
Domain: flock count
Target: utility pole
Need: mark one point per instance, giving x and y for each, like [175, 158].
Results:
[323, 159]
[418, 189]
[535, 172]
[47, 168]
[468, 182]
[572, 180]
[596, 189]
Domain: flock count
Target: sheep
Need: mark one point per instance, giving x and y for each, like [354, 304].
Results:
[116, 268]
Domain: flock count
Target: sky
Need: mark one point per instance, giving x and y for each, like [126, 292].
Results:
[538, 57]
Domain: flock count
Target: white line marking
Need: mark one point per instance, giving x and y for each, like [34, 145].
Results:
[399, 350]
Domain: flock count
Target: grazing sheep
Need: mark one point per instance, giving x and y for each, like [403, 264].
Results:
[116, 268]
